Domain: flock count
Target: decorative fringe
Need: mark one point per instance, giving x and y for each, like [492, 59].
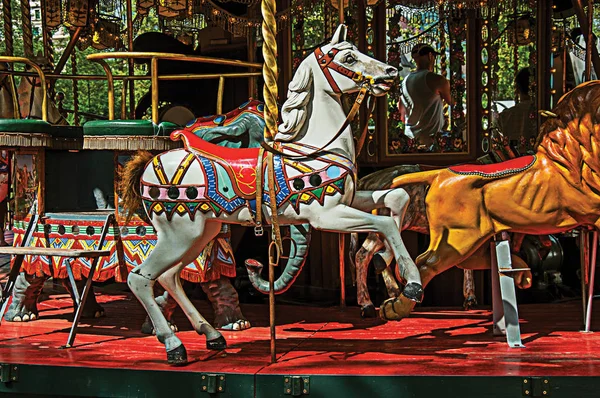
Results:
[129, 143]
[25, 139]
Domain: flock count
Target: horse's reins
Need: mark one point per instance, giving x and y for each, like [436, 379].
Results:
[325, 62]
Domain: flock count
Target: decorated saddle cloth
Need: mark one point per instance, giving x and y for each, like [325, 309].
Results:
[231, 177]
[496, 170]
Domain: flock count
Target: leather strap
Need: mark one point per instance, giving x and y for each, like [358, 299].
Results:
[351, 115]
[258, 229]
[275, 230]
[361, 139]
[326, 62]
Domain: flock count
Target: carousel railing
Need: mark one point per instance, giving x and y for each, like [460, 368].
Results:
[154, 77]
[38, 73]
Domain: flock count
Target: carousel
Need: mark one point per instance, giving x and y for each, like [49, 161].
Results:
[257, 159]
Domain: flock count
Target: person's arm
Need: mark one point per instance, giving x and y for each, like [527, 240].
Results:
[444, 91]
[402, 111]
[439, 84]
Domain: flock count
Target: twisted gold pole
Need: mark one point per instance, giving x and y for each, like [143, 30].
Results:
[270, 72]
[269, 30]
[8, 31]
[27, 32]
[75, 88]
[443, 57]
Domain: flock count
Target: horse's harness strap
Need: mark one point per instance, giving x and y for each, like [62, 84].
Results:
[361, 139]
[326, 62]
[258, 229]
[275, 230]
[351, 115]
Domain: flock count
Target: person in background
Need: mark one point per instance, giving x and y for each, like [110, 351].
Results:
[516, 123]
[423, 94]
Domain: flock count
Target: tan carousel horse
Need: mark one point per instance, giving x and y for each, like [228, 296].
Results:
[553, 191]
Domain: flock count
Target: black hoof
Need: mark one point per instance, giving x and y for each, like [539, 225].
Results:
[413, 291]
[470, 303]
[379, 263]
[177, 356]
[368, 311]
[217, 344]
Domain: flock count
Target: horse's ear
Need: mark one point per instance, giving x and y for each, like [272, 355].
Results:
[340, 34]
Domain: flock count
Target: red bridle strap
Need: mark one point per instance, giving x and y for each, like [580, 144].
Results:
[326, 62]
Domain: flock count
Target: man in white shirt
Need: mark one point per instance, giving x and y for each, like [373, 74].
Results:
[517, 122]
[423, 94]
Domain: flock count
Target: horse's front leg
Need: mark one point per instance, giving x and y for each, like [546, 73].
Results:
[397, 200]
[342, 218]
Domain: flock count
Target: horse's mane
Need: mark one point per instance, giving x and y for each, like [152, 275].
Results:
[295, 109]
[572, 140]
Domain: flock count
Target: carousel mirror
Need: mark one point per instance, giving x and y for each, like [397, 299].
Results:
[421, 40]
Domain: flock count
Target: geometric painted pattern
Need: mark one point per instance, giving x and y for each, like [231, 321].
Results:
[136, 248]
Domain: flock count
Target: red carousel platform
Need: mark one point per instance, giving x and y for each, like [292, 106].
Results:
[321, 352]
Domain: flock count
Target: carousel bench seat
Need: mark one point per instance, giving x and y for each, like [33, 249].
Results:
[38, 133]
[20, 252]
[128, 135]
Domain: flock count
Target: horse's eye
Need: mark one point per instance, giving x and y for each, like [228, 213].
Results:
[349, 59]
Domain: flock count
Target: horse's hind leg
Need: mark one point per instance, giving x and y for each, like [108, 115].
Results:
[175, 240]
[397, 200]
[171, 281]
[363, 258]
[441, 255]
[349, 219]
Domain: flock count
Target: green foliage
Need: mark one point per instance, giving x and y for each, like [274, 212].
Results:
[92, 94]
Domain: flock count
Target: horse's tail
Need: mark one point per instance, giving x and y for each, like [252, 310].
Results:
[423, 177]
[129, 186]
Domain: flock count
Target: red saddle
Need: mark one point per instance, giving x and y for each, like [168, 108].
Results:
[512, 166]
[240, 164]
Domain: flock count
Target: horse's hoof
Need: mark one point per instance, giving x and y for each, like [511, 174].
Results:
[368, 311]
[379, 263]
[470, 303]
[217, 344]
[177, 356]
[413, 291]
[395, 308]
[240, 324]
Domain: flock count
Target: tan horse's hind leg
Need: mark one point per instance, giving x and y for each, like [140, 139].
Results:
[440, 256]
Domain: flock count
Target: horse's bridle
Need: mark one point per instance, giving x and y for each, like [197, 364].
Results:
[326, 62]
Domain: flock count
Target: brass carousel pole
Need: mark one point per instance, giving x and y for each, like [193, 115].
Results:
[270, 74]
[342, 237]
[590, 41]
[68, 50]
[10, 51]
[27, 32]
[131, 65]
[8, 31]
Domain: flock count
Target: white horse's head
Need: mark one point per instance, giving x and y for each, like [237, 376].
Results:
[344, 69]
[335, 68]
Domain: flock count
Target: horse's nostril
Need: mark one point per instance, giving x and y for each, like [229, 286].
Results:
[391, 71]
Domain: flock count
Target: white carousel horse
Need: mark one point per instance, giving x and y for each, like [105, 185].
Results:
[30, 97]
[188, 193]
